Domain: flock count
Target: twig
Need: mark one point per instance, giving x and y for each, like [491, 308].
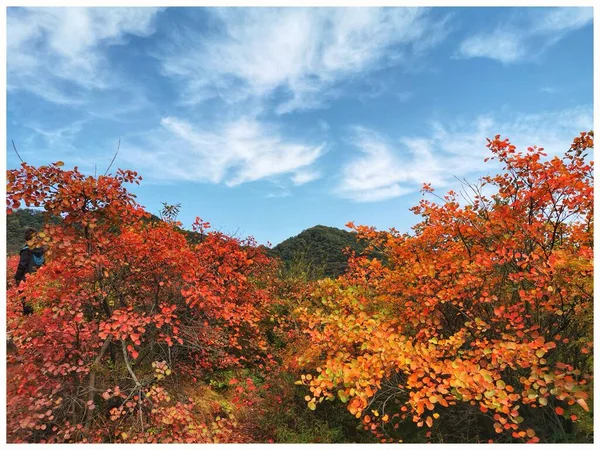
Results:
[15, 147]
[113, 160]
[126, 358]
[16, 151]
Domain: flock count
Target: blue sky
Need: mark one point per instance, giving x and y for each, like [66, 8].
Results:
[265, 122]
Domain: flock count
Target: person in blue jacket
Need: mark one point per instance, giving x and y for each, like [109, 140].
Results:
[30, 260]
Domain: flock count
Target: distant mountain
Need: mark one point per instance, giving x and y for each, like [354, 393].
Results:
[21, 219]
[319, 249]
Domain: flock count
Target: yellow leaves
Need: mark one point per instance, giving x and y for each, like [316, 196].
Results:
[429, 421]
[519, 419]
[488, 377]
[532, 394]
[506, 362]
[489, 394]
[583, 404]
[312, 405]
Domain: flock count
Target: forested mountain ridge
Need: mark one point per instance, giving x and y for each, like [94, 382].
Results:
[320, 249]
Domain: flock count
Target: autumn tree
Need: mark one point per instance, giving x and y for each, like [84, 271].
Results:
[477, 325]
[127, 316]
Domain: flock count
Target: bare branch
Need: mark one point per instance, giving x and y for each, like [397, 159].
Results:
[15, 147]
[114, 157]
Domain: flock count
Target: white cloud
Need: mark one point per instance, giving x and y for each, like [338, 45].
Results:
[244, 150]
[281, 194]
[527, 36]
[305, 176]
[301, 54]
[388, 169]
[563, 20]
[504, 46]
[58, 53]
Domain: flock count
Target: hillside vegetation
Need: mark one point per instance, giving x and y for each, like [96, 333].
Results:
[321, 250]
[477, 326]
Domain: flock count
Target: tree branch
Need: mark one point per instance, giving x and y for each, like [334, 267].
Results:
[114, 157]
[126, 359]
[92, 384]
[16, 151]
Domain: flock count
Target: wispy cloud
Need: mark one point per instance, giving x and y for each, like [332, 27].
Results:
[305, 176]
[548, 90]
[58, 136]
[526, 36]
[59, 53]
[377, 174]
[300, 56]
[390, 168]
[241, 151]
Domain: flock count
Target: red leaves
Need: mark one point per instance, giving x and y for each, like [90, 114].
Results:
[133, 352]
[483, 307]
[113, 278]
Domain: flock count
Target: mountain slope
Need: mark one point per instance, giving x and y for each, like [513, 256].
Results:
[320, 249]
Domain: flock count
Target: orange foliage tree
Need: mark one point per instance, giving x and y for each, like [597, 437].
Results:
[477, 326]
[127, 313]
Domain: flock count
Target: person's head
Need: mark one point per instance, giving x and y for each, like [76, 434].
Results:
[30, 233]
